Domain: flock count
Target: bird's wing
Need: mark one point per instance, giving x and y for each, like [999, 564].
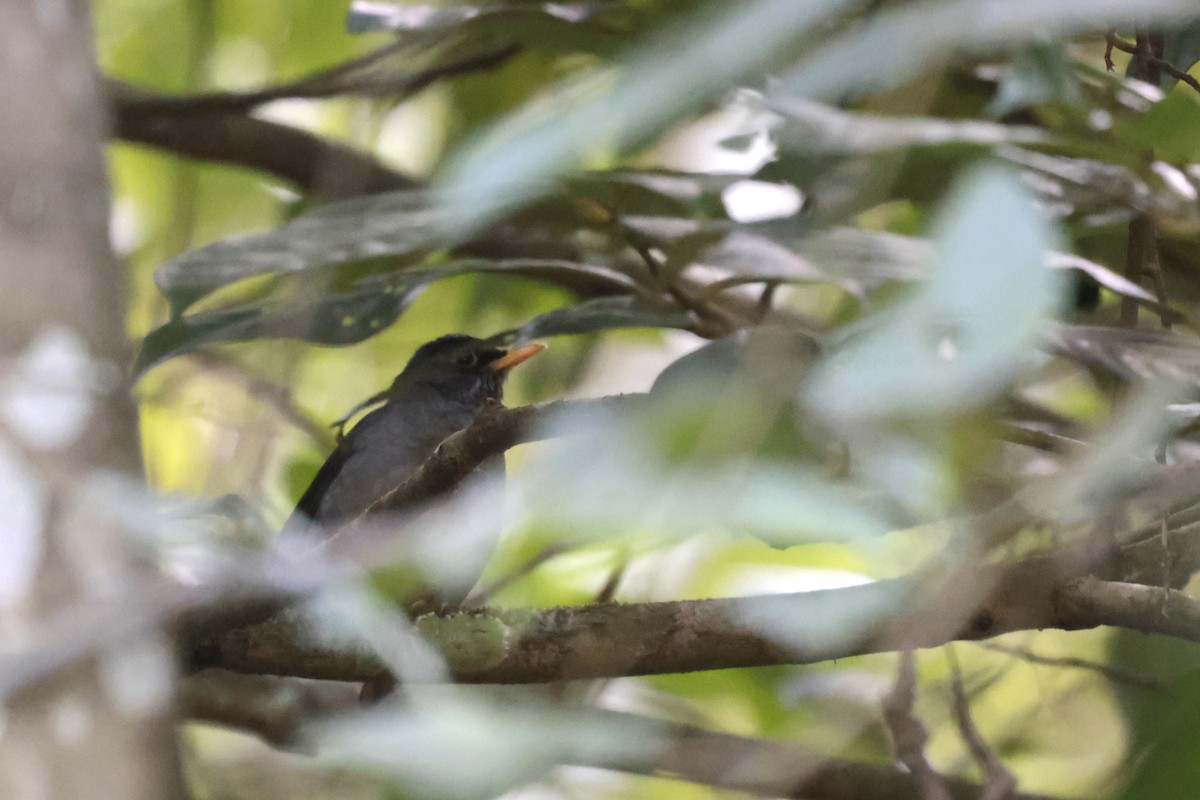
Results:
[347, 446]
[326, 475]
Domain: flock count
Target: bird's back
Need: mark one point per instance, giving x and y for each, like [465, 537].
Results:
[380, 453]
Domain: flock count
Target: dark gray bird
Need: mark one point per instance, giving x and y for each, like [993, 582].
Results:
[446, 383]
[444, 386]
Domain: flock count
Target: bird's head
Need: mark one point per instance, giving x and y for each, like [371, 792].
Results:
[464, 367]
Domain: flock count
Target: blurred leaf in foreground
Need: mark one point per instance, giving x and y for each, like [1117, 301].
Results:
[961, 337]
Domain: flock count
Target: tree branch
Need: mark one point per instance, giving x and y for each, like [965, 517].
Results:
[999, 782]
[350, 78]
[277, 709]
[1112, 41]
[1112, 673]
[783, 769]
[614, 640]
[219, 127]
[908, 734]
[323, 168]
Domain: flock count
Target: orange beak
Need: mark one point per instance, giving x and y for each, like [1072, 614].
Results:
[516, 355]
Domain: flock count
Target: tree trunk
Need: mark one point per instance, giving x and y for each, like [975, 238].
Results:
[84, 710]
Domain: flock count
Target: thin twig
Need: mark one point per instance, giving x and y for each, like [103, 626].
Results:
[1040, 439]
[766, 299]
[1141, 227]
[1113, 42]
[485, 595]
[611, 583]
[998, 781]
[1154, 267]
[1066, 662]
[1137, 255]
[908, 734]
[722, 321]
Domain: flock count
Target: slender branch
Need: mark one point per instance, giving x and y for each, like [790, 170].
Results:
[547, 553]
[908, 734]
[278, 708]
[218, 127]
[1113, 42]
[1139, 252]
[1112, 673]
[783, 769]
[999, 782]
[1142, 247]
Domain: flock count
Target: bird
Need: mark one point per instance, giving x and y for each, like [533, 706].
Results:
[445, 385]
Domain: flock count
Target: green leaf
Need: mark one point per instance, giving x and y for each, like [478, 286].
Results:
[1168, 128]
[402, 227]
[394, 224]
[655, 193]
[961, 338]
[1169, 768]
[1114, 282]
[780, 503]
[332, 318]
[715, 365]
[298, 307]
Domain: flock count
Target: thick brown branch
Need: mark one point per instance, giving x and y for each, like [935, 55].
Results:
[219, 127]
[612, 640]
[315, 165]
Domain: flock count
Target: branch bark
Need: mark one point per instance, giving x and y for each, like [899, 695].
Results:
[613, 640]
[327, 170]
[277, 709]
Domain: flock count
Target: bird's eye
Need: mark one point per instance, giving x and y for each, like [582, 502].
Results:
[466, 360]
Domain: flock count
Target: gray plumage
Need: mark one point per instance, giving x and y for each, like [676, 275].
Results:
[444, 386]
